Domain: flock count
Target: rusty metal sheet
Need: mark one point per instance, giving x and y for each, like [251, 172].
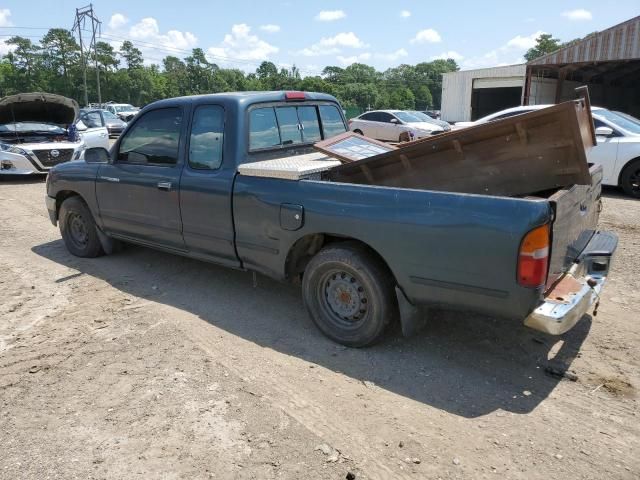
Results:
[620, 42]
[515, 156]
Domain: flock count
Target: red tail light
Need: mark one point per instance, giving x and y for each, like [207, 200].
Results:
[350, 121]
[294, 96]
[533, 258]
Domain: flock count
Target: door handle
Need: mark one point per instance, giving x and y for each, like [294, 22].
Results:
[164, 186]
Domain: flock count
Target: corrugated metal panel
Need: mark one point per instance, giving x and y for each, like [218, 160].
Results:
[457, 88]
[620, 42]
[498, 82]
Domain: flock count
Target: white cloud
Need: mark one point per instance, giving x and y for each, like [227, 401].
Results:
[270, 28]
[117, 21]
[330, 15]
[578, 15]
[147, 30]
[241, 44]
[523, 42]
[5, 13]
[450, 54]
[147, 37]
[428, 35]
[405, 13]
[508, 54]
[354, 58]
[333, 45]
[392, 56]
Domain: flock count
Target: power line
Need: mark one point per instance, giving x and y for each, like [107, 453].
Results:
[82, 15]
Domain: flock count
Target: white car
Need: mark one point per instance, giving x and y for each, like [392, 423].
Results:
[392, 125]
[124, 111]
[36, 133]
[618, 149]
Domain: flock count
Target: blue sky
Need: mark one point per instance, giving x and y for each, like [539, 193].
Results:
[312, 35]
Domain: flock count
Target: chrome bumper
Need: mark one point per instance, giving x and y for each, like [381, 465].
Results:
[51, 208]
[580, 288]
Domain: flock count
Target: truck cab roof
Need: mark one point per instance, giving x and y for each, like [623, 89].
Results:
[247, 98]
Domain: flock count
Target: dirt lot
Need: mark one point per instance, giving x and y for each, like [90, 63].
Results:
[146, 365]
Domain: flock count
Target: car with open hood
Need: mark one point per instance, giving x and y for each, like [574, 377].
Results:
[41, 130]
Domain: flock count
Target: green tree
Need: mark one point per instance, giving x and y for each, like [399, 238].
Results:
[61, 54]
[545, 44]
[24, 58]
[131, 55]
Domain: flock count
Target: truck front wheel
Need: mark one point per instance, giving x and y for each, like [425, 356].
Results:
[349, 294]
[78, 229]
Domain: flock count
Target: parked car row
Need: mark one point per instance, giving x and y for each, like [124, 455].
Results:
[618, 149]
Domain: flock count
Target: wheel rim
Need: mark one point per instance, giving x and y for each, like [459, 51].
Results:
[343, 298]
[634, 181]
[78, 231]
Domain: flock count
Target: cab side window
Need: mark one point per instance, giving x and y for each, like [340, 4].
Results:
[206, 140]
[154, 139]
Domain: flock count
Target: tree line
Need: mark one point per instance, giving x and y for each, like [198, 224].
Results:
[54, 65]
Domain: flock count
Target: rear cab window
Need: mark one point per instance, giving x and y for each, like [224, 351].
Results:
[281, 125]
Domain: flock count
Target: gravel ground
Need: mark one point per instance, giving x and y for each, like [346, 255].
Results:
[146, 365]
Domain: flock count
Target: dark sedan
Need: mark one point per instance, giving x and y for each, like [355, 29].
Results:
[103, 118]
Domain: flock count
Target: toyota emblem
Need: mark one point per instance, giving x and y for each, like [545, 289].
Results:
[54, 153]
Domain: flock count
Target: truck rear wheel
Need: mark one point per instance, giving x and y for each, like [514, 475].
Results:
[78, 229]
[349, 294]
[630, 179]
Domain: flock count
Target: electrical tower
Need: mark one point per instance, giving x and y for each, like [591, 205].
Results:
[84, 15]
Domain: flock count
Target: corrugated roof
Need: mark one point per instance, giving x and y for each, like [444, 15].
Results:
[620, 42]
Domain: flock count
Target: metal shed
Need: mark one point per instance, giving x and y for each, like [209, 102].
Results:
[608, 62]
[471, 94]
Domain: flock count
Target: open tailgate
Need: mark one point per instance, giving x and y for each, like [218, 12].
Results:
[577, 209]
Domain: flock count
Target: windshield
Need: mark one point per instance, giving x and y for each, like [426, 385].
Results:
[423, 117]
[109, 116]
[407, 117]
[24, 127]
[123, 108]
[623, 122]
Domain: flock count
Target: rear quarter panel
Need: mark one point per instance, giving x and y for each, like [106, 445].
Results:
[443, 248]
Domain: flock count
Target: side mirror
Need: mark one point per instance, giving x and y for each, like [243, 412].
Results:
[81, 126]
[96, 155]
[394, 120]
[604, 131]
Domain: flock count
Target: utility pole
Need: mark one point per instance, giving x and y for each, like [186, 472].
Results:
[82, 15]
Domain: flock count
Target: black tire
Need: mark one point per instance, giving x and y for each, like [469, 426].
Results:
[358, 131]
[78, 229]
[630, 179]
[349, 294]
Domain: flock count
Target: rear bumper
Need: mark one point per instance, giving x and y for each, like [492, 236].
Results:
[571, 297]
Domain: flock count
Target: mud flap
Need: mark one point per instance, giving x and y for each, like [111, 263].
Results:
[412, 318]
[108, 243]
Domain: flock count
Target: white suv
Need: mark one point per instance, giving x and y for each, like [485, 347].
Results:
[392, 125]
[618, 149]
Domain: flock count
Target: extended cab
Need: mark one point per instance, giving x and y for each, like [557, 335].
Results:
[185, 177]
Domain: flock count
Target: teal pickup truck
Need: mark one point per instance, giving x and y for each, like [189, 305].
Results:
[233, 179]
